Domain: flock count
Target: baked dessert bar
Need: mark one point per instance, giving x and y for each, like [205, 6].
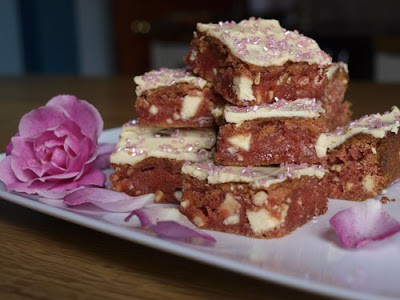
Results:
[363, 157]
[262, 202]
[256, 61]
[175, 98]
[282, 132]
[149, 159]
[253, 61]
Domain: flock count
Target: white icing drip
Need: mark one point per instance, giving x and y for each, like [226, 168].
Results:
[138, 142]
[166, 77]
[265, 43]
[256, 176]
[302, 108]
[376, 125]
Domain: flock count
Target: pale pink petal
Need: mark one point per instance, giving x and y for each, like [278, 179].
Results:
[7, 175]
[126, 205]
[120, 219]
[85, 209]
[168, 222]
[23, 154]
[46, 139]
[9, 147]
[52, 201]
[108, 200]
[151, 214]
[71, 135]
[52, 195]
[30, 189]
[59, 159]
[94, 178]
[52, 143]
[363, 223]
[60, 183]
[56, 178]
[178, 231]
[86, 153]
[82, 112]
[103, 156]
[40, 120]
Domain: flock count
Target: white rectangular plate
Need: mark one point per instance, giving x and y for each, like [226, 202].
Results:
[309, 258]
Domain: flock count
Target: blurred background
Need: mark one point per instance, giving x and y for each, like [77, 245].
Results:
[128, 37]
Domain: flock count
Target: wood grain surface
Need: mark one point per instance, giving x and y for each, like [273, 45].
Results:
[46, 258]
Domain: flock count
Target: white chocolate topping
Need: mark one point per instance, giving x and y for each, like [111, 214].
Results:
[265, 43]
[376, 125]
[301, 108]
[256, 176]
[166, 77]
[139, 142]
[334, 67]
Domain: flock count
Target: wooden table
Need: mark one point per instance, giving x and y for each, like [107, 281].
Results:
[45, 258]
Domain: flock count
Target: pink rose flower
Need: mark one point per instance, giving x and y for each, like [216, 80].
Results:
[55, 149]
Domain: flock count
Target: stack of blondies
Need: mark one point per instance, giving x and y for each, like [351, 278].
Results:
[284, 143]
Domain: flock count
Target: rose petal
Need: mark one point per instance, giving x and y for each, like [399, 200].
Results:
[71, 135]
[40, 120]
[151, 214]
[178, 231]
[108, 200]
[52, 195]
[168, 222]
[85, 209]
[87, 154]
[60, 183]
[9, 147]
[59, 159]
[82, 112]
[7, 175]
[92, 178]
[103, 156]
[23, 154]
[120, 219]
[363, 223]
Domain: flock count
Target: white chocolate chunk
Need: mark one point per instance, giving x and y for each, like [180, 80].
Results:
[262, 221]
[229, 206]
[158, 195]
[178, 195]
[337, 167]
[349, 186]
[185, 204]
[232, 220]
[199, 221]
[153, 109]
[190, 105]
[368, 183]
[243, 87]
[260, 198]
[242, 141]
